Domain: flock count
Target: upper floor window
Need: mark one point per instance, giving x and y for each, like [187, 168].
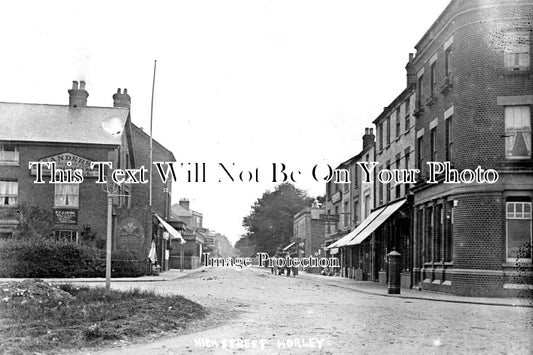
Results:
[518, 217]
[388, 130]
[397, 123]
[448, 63]
[516, 50]
[66, 195]
[433, 78]
[8, 193]
[9, 154]
[420, 91]
[380, 136]
[449, 138]
[517, 132]
[419, 152]
[433, 144]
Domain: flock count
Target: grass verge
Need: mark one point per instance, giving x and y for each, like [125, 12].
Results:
[36, 318]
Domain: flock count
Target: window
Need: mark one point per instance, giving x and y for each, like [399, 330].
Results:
[9, 154]
[419, 152]
[346, 214]
[518, 217]
[356, 212]
[367, 205]
[387, 186]
[439, 229]
[433, 144]
[407, 110]
[517, 132]
[337, 214]
[419, 237]
[380, 136]
[407, 162]
[388, 130]
[66, 195]
[449, 139]
[407, 118]
[398, 185]
[428, 257]
[433, 78]
[380, 187]
[448, 233]
[397, 123]
[66, 235]
[516, 50]
[8, 193]
[420, 91]
[448, 63]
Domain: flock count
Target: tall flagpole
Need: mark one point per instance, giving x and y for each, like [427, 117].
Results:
[151, 140]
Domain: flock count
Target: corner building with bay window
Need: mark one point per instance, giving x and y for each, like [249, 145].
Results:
[474, 89]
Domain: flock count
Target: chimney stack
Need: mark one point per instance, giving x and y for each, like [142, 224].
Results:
[78, 97]
[184, 203]
[122, 99]
[368, 138]
[411, 76]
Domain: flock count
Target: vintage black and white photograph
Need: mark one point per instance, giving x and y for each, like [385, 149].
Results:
[266, 177]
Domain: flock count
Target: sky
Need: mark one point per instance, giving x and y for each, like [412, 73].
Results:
[246, 84]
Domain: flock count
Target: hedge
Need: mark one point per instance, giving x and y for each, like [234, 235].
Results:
[39, 258]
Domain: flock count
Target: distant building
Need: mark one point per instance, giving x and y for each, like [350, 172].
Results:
[308, 231]
[193, 233]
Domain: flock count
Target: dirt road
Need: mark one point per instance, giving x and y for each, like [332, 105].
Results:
[280, 315]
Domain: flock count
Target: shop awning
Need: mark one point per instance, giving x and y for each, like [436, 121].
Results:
[288, 246]
[378, 221]
[350, 236]
[173, 232]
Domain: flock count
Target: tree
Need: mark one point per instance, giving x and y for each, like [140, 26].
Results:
[244, 247]
[270, 223]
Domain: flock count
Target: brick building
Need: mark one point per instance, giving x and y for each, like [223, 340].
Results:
[73, 136]
[355, 260]
[308, 231]
[474, 85]
[194, 234]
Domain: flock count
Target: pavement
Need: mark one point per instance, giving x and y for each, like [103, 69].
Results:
[368, 287]
[379, 289]
[169, 275]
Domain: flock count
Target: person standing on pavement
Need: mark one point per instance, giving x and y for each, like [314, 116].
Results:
[294, 268]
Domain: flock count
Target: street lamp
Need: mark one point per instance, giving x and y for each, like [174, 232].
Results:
[114, 126]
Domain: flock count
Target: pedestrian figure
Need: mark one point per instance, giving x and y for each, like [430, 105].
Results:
[294, 268]
[287, 267]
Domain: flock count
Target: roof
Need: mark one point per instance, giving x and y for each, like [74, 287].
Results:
[179, 211]
[58, 123]
[157, 145]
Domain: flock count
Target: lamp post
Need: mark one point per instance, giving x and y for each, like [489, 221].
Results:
[114, 126]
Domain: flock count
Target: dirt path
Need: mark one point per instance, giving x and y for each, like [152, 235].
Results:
[280, 315]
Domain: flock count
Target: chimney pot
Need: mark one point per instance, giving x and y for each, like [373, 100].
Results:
[371, 130]
[78, 96]
[122, 99]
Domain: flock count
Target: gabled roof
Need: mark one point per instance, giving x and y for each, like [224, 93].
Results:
[178, 211]
[146, 136]
[23, 122]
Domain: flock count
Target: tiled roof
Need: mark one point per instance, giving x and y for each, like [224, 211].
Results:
[58, 123]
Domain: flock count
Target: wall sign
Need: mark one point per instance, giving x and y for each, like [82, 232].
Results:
[68, 161]
[64, 216]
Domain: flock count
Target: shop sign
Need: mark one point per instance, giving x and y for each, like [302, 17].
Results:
[66, 161]
[64, 216]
